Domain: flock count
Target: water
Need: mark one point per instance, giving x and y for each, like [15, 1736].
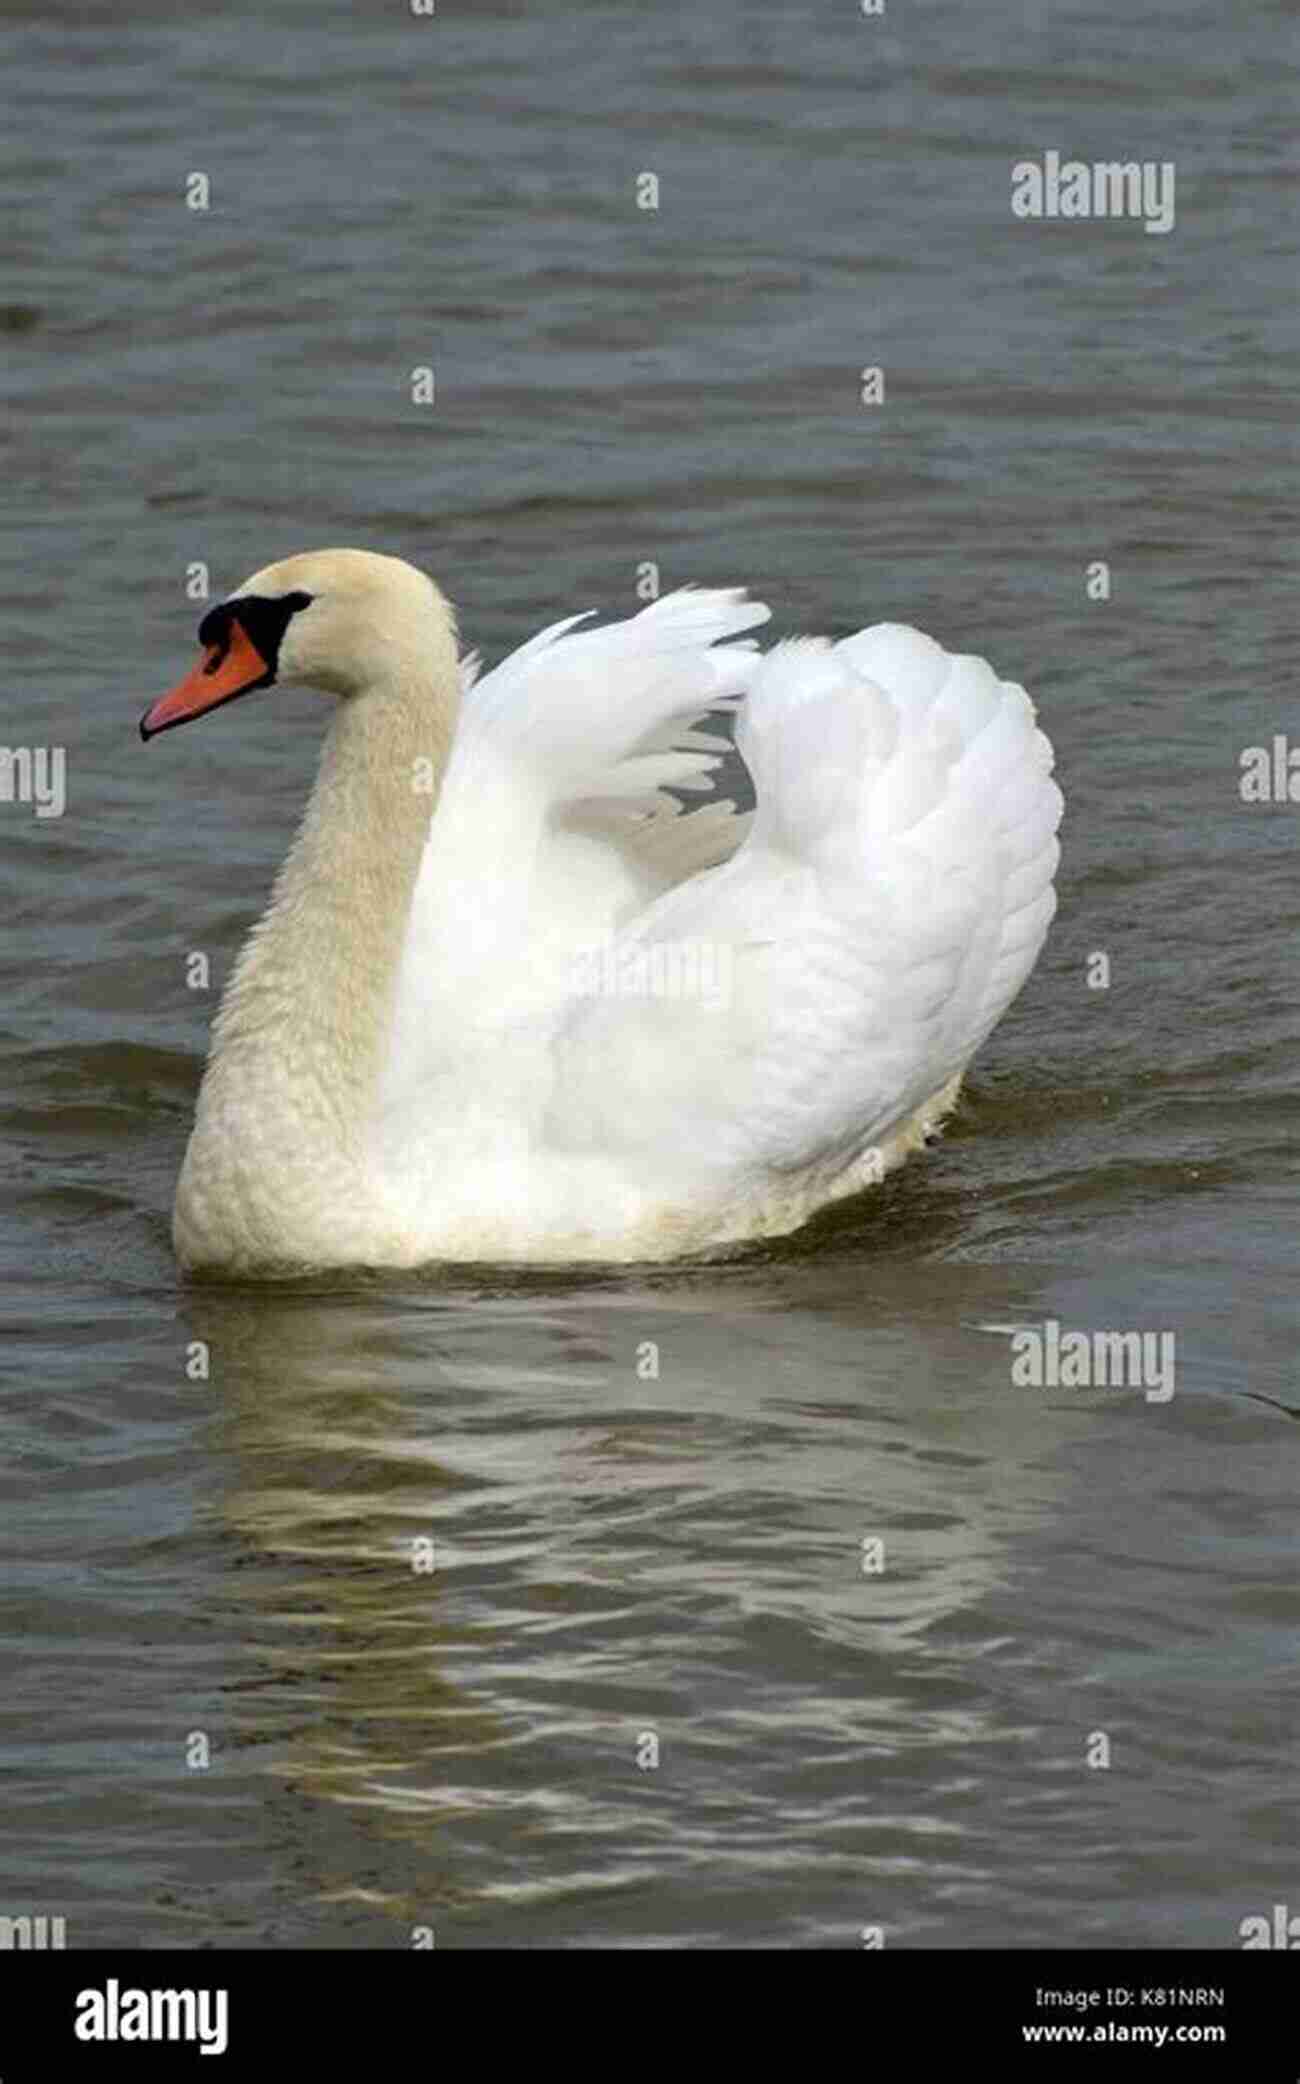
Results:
[619, 1554]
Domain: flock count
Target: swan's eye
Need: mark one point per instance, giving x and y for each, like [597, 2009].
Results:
[215, 627]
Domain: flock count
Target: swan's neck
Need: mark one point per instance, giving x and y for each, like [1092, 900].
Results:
[317, 973]
[299, 1042]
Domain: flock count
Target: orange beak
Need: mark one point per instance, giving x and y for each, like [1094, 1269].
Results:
[225, 671]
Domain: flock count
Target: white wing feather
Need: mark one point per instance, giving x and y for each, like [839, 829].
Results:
[764, 997]
[552, 824]
[878, 919]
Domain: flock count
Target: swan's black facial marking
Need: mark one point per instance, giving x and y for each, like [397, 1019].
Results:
[264, 619]
[241, 641]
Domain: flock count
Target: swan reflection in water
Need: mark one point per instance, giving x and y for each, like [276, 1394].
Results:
[488, 1538]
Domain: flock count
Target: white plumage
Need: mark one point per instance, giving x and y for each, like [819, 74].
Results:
[514, 999]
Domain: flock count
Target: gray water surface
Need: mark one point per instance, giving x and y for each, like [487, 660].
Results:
[621, 1553]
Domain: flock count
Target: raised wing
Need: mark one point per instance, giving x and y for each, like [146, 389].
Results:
[784, 1012]
[560, 817]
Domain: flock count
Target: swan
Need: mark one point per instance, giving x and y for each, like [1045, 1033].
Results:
[518, 996]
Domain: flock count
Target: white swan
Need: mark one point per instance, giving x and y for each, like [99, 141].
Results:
[509, 1001]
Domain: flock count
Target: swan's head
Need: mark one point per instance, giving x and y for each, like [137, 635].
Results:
[340, 620]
